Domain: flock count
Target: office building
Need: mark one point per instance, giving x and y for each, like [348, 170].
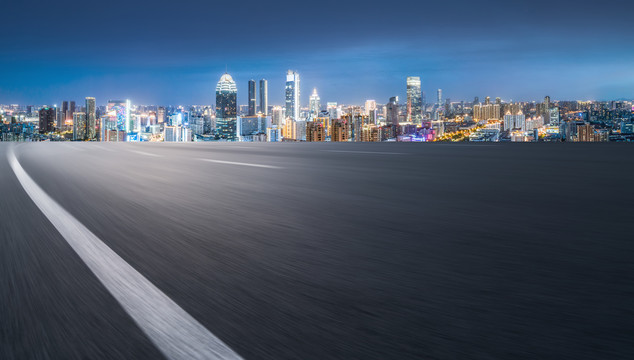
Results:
[314, 104]
[121, 110]
[79, 126]
[171, 133]
[252, 98]
[292, 95]
[273, 134]
[392, 111]
[160, 115]
[264, 97]
[226, 109]
[252, 125]
[414, 100]
[369, 106]
[91, 118]
[277, 116]
[47, 117]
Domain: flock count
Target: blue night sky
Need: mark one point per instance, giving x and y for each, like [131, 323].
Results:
[167, 52]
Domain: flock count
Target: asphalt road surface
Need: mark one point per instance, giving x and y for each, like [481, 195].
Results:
[316, 251]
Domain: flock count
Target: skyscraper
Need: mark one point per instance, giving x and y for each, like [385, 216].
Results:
[226, 109]
[264, 96]
[314, 104]
[120, 109]
[251, 97]
[439, 98]
[292, 95]
[414, 100]
[160, 115]
[79, 126]
[392, 111]
[277, 116]
[63, 117]
[47, 120]
[71, 109]
[91, 118]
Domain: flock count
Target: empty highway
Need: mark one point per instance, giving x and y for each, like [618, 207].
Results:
[316, 251]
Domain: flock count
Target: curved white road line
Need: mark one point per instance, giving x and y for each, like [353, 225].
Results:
[146, 153]
[176, 333]
[241, 164]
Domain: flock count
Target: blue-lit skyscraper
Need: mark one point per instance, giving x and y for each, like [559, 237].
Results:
[252, 100]
[292, 95]
[226, 109]
[414, 100]
[120, 109]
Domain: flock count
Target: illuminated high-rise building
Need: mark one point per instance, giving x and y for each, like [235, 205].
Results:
[62, 118]
[120, 109]
[392, 111]
[264, 96]
[487, 111]
[369, 106]
[160, 115]
[79, 126]
[314, 104]
[91, 118]
[370, 111]
[226, 109]
[292, 95]
[414, 100]
[277, 116]
[315, 131]
[252, 98]
[439, 102]
[47, 119]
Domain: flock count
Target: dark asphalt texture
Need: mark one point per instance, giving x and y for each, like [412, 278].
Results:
[348, 251]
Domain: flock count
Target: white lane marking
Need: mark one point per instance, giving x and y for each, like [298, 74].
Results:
[146, 153]
[242, 164]
[176, 333]
[367, 152]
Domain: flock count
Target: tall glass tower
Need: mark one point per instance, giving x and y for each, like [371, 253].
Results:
[292, 95]
[414, 100]
[264, 96]
[91, 118]
[314, 104]
[251, 97]
[226, 114]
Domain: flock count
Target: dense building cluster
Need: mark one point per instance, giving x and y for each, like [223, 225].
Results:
[412, 120]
